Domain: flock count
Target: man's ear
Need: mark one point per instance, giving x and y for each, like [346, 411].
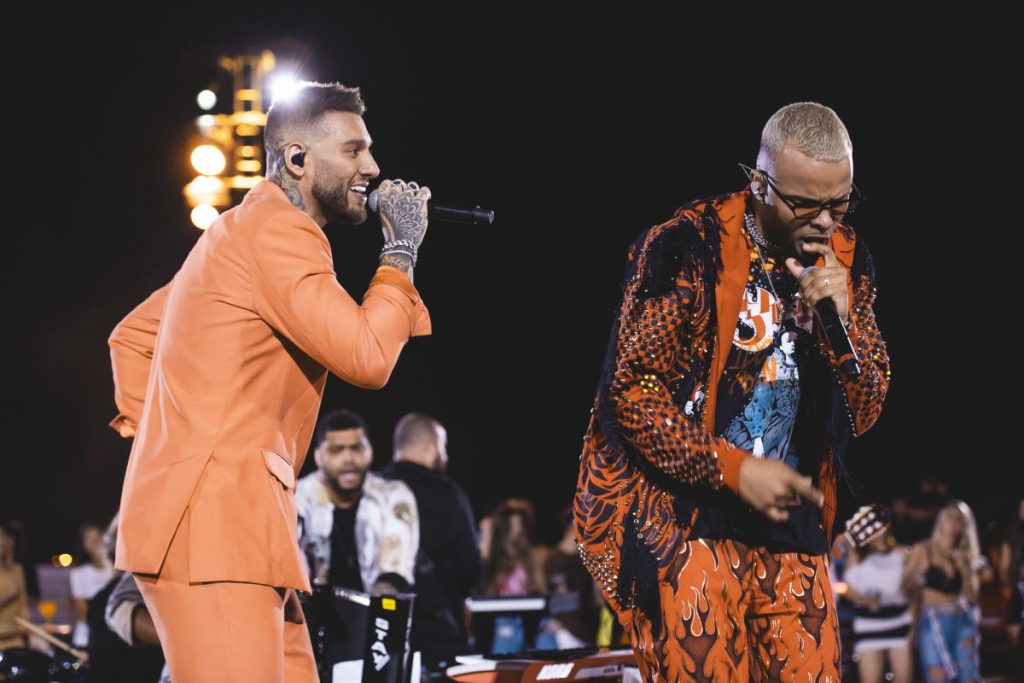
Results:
[295, 159]
[757, 186]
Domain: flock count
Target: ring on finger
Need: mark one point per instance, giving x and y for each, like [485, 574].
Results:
[824, 279]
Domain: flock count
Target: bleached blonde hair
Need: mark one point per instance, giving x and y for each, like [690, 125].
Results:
[970, 528]
[811, 128]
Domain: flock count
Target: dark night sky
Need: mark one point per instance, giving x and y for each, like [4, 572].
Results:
[579, 135]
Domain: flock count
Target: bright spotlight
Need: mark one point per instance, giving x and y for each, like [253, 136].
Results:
[65, 559]
[208, 160]
[205, 123]
[207, 189]
[203, 216]
[207, 100]
[283, 86]
[205, 184]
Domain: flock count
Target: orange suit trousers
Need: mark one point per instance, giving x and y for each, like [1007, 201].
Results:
[223, 632]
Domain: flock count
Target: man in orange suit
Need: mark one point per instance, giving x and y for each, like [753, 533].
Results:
[219, 374]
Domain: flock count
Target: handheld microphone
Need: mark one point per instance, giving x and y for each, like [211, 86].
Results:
[837, 337]
[474, 216]
[835, 331]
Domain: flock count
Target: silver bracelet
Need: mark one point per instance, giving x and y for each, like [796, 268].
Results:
[399, 250]
[408, 244]
[401, 246]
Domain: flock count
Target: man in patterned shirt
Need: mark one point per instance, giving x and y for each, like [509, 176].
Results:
[706, 494]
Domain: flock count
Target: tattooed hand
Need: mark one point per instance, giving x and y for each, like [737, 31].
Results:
[403, 216]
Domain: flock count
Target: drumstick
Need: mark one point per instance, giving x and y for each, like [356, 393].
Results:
[56, 642]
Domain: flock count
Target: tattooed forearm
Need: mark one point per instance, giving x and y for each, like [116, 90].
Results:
[397, 260]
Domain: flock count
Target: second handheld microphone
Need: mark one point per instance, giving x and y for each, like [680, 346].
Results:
[474, 216]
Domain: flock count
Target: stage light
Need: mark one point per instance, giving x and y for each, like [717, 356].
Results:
[228, 152]
[250, 118]
[244, 182]
[208, 160]
[205, 123]
[65, 559]
[247, 94]
[283, 86]
[207, 100]
[203, 216]
[207, 190]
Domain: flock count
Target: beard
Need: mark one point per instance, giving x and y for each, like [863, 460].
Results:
[335, 199]
[335, 483]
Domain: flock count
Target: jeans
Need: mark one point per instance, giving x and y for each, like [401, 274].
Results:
[947, 644]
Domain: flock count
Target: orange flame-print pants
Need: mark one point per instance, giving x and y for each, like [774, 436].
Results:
[732, 612]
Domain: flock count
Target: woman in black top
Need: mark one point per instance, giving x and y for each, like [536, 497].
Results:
[942, 573]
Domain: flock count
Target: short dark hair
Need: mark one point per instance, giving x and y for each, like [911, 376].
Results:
[338, 421]
[415, 427]
[303, 108]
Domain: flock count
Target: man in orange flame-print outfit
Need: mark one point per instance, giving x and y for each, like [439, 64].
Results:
[706, 494]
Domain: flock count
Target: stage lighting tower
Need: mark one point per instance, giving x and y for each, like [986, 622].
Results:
[227, 151]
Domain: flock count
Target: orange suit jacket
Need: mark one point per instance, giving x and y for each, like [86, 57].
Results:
[219, 374]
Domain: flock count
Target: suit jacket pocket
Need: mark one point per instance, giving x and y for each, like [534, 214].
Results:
[280, 467]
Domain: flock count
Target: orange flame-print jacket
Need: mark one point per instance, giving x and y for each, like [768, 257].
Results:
[643, 455]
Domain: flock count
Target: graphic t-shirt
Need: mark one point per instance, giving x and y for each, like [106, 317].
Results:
[758, 399]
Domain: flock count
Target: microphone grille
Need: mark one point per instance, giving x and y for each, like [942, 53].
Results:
[373, 200]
